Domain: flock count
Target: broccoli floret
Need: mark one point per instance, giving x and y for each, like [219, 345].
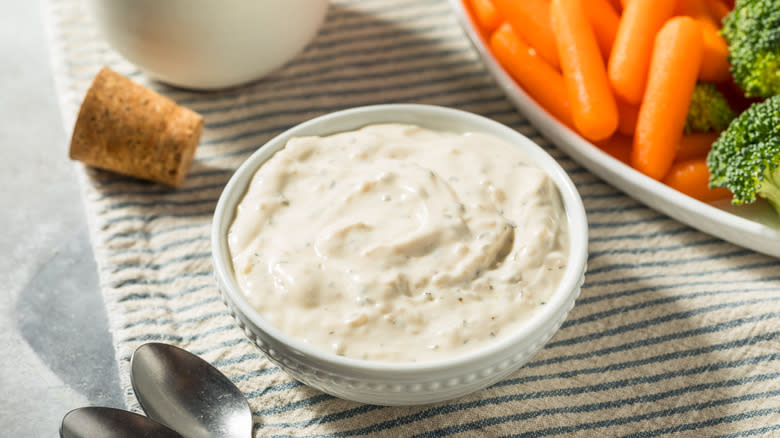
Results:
[752, 31]
[709, 110]
[746, 157]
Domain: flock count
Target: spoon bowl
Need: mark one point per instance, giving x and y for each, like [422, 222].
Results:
[96, 422]
[187, 394]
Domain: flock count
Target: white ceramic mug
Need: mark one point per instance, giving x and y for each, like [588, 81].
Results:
[208, 44]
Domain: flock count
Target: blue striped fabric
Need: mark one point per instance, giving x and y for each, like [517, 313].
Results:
[675, 333]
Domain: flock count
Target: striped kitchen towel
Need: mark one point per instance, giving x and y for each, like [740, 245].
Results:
[675, 333]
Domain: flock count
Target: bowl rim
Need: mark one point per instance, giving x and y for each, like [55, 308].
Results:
[236, 187]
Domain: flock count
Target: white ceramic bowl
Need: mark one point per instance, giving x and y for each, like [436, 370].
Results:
[208, 44]
[401, 383]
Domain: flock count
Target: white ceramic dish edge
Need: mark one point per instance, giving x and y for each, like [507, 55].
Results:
[405, 383]
[208, 45]
[755, 227]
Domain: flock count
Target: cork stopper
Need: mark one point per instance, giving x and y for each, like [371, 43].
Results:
[129, 129]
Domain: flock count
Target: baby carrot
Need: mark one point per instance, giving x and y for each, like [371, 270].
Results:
[593, 106]
[691, 8]
[486, 14]
[617, 5]
[534, 74]
[715, 55]
[692, 177]
[695, 145]
[627, 115]
[671, 79]
[633, 46]
[718, 10]
[531, 20]
[618, 146]
[605, 21]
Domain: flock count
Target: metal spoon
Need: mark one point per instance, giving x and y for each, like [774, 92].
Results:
[97, 422]
[187, 394]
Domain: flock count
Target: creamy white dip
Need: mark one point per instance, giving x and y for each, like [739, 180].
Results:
[397, 243]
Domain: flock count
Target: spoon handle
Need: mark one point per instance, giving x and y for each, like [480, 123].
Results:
[97, 422]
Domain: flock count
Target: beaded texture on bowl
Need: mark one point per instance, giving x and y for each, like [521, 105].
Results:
[386, 392]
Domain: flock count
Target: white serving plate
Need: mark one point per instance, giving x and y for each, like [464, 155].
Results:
[755, 226]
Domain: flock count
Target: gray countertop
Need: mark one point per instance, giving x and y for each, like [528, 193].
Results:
[56, 352]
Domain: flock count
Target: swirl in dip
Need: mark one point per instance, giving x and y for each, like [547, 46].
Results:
[398, 243]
